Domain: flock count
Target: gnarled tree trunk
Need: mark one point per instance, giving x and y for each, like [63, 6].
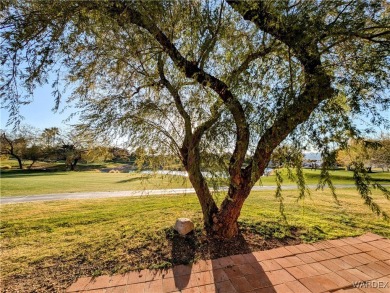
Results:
[191, 162]
[219, 222]
[225, 222]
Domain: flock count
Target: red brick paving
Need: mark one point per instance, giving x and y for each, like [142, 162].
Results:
[349, 265]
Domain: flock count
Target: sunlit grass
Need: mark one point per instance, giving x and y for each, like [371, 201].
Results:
[338, 177]
[114, 235]
[319, 214]
[62, 182]
[14, 183]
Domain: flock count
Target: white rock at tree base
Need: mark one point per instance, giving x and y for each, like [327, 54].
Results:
[184, 226]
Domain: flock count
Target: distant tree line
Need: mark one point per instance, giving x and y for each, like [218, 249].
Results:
[371, 153]
[29, 144]
[53, 144]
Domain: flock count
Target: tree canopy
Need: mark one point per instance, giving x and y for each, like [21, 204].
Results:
[220, 84]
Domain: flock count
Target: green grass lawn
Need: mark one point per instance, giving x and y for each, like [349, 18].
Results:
[25, 182]
[55, 242]
[116, 235]
[21, 183]
[338, 177]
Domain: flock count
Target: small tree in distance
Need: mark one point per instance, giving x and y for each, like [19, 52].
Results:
[356, 151]
[371, 153]
[381, 156]
[230, 78]
[14, 147]
[50, 136]
[21, 144]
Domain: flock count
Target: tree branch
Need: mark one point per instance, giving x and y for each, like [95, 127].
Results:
[158, 127]
[206, 125]
[250, 58]
[123, 13]
[176, 97]
[317, 89]
[210, 43]
[303, 44]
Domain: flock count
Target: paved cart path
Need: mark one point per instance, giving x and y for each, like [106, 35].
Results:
[129, 193]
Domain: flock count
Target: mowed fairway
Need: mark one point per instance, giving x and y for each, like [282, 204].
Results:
[16, 183]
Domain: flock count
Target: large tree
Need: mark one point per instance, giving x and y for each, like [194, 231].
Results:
[207, 80]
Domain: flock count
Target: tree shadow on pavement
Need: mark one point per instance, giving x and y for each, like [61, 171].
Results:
[230, 273]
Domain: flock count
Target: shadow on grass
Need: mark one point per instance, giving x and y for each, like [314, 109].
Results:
[50, 170]
[29, 173]
[336, 177]
[89, 167]
[139, 178]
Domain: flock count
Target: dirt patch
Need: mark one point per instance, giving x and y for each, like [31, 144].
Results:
[55, 275]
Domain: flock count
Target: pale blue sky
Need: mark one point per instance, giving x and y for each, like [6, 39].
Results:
[39, 112]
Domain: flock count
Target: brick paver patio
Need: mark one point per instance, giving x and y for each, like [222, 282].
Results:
[349, 265]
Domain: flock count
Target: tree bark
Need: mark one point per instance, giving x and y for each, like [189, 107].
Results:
[19, 161]
[32, 163]
[191, 161]
[225, 223]
[207, 203]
